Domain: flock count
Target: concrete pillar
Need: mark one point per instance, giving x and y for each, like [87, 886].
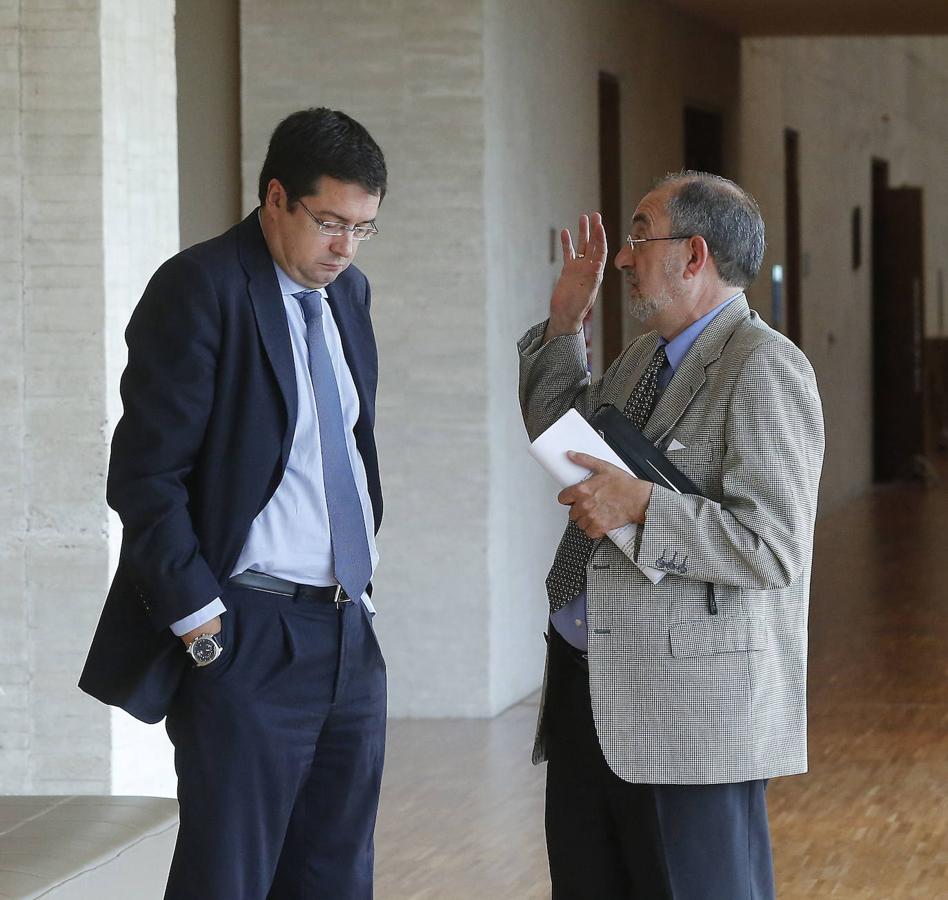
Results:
[54, 543]
[139, 209]
[15, 724]
[88, 192]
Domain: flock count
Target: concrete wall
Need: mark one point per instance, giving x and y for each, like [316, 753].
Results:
[15, 717]
[411, 72]
[207, 63]
[487, 114]
[52, 533]
[850, 100]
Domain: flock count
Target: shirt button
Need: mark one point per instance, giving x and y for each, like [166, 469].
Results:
[579, 623]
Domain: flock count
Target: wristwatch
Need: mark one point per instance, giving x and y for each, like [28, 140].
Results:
[204, 649]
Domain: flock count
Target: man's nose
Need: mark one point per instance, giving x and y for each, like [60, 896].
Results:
[625, 258]
[341, 245]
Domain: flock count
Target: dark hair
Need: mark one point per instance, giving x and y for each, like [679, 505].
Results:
[315, 142]
[725, 215]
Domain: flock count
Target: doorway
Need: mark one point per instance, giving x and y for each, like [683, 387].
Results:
[898, 328]
[794, 263]
[704, 140]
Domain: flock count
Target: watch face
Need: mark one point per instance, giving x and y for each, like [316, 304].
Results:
[204, 650]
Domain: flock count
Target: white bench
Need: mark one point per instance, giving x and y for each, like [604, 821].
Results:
[86, 847]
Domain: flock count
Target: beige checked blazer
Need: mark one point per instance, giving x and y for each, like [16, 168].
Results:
[681, 696]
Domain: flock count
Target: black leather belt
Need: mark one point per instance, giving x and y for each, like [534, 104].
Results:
[260, 581]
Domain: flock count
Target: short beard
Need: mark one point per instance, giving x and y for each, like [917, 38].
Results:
[645, 306]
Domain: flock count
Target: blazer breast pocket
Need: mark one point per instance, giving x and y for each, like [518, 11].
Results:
[697, 461]
[695, 454]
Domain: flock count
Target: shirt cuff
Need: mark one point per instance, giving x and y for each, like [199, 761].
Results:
[204, 614]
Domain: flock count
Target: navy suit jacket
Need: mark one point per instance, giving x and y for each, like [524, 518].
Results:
[209, 397]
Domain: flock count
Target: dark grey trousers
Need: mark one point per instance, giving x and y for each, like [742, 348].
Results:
[608, 839]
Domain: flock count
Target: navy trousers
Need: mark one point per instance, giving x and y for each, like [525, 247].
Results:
[278, 749]
[608, 839]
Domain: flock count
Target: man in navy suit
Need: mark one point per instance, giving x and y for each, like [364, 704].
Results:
[244, 470]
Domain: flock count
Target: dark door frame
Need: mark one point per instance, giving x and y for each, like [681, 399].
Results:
[610, 204]
[793, 270]
[899, 390]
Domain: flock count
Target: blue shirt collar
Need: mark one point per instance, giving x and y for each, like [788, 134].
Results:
[676, 348]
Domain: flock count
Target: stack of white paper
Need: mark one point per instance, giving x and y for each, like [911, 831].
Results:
[572, 432]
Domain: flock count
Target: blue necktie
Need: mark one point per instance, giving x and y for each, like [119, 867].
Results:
[352, 562]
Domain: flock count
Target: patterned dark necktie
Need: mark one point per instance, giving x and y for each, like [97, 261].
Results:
[567, 577]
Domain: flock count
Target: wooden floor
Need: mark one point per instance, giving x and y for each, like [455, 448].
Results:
[462, 808]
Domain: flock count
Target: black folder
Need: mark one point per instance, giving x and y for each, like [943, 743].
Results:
[638, 453]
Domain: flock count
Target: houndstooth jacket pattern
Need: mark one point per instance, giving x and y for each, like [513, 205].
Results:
[681, 696]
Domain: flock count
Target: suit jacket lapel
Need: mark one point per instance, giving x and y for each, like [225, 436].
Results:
[352, 320]
[264, 289]
[644, 350]
[692, 373]
[358, 347]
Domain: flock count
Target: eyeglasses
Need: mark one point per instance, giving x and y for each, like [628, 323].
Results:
[337, 229]
[631, 241]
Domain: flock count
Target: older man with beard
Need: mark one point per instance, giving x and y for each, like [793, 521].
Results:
[667, 706]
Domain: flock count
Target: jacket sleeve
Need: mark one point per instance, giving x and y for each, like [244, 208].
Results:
[554, 378]
[759, 535]
[167, 394]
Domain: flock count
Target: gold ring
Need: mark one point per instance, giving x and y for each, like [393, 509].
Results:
[580, 255]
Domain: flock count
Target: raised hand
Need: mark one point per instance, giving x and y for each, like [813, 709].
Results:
[578, 285]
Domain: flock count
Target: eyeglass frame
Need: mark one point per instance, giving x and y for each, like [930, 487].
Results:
[352, 229]
[631, 241]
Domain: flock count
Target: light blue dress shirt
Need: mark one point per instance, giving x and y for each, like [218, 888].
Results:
[570, 621]
[290, 538]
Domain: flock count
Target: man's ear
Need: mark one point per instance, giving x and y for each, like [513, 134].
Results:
[698, 256]
[275, 193]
